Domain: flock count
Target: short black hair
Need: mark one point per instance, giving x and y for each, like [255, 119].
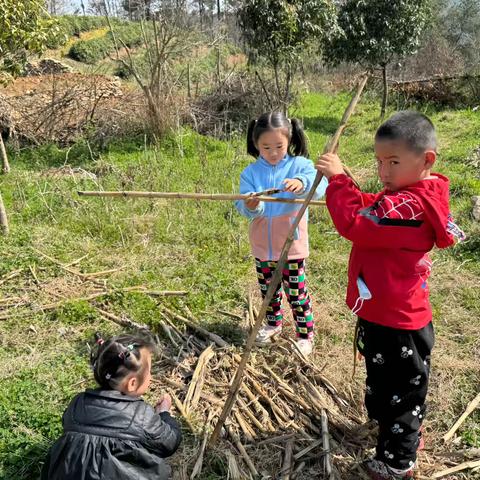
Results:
[413, 128]
[267, 122]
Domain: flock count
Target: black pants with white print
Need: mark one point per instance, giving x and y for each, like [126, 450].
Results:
[398, 367]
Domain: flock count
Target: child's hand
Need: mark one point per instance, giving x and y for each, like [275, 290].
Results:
[293, 185]
[252, 203]
[164, 404]
[329, 164]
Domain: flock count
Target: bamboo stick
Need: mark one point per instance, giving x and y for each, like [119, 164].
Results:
[470, 408]
[278, 272]
[458, 468]
[195, 196]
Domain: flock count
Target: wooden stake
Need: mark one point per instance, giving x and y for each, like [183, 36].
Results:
[3, 217]
[278, 273]
[470, 408]
[195, 196]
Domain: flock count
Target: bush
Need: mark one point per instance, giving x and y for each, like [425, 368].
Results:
[90, 51]
[94, 50]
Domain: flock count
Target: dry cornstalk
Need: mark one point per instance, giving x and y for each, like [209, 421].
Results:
[276, 278]
[251, 416]
[230, 314]
[11, 275]
[287, 461]
[308, 449]
[242, 451]
[209, 398]
[198, 379]
[123, 321]
[247, 430]
[326, 447]
[195, 196]
[197, 468]
[219, 341]
[183, 413]
[470, 408]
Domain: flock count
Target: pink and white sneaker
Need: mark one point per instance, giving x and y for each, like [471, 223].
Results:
[266, 333]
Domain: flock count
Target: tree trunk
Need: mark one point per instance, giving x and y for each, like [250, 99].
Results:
[3, 218]
[3, 154]
[219, 11]
[385, 92]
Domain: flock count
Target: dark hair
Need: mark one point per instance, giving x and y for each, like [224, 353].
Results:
[115, 358]
[297, 141]
[413, 128]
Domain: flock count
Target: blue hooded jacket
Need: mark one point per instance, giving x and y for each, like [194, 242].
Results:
[270, 222]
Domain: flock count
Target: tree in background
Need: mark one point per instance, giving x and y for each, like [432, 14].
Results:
[376, 32]
[280, 33]
[461, 27]
[25, 27]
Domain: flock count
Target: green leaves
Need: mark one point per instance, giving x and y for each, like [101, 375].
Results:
[24, 27]
[374, 31]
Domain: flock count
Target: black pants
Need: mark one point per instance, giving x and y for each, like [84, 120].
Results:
[398, 367]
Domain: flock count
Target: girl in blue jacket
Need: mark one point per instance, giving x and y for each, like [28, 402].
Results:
[280, 146]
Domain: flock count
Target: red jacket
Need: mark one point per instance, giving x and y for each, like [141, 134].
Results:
[391, 234]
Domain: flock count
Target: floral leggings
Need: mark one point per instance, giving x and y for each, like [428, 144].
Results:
[295, 290]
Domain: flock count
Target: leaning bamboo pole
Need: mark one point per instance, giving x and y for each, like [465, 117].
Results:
[237, 381]
[195, 196]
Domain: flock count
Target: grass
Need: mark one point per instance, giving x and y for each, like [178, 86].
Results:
[202, 247]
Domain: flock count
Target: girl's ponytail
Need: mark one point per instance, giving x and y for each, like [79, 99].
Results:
[298, 143]
[113, 359]
[251, 148]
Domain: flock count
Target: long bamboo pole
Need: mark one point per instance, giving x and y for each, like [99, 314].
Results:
[194, 196]
[237, 381]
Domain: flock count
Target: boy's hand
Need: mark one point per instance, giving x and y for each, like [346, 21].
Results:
[293, 185]
[164, 404]
[252, 203]
[329, 164]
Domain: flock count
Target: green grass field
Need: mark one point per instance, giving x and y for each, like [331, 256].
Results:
[201, 247]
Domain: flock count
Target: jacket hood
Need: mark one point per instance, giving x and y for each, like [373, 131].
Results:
[433, 193]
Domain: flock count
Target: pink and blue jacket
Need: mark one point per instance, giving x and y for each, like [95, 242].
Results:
[270, 222]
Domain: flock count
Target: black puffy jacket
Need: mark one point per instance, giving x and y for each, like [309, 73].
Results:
[112, 436]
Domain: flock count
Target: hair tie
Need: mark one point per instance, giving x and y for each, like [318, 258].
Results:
[108, 376]
[100, 341]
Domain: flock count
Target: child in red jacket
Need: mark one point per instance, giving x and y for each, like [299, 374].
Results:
[392, 233]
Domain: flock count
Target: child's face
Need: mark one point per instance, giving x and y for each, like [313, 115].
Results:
[273, 146]
[399, 166]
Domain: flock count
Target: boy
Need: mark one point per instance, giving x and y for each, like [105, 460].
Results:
[391, 232]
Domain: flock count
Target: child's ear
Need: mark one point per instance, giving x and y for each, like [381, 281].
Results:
[430, 157]
[132, 384]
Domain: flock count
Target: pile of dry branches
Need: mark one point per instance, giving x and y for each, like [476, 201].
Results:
[289, 420]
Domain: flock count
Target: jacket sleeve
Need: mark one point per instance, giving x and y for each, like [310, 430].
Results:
[246, 186]
[162, 433]
[388, 223]
[307, 176]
